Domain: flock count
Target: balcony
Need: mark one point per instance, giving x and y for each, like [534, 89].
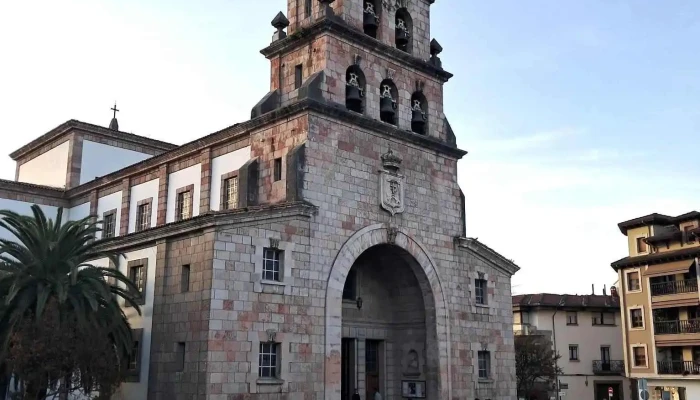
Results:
[678, 368]
[677, 327]
[675, 287]
[608, 367]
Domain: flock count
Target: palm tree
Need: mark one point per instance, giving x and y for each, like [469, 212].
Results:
[46, 274]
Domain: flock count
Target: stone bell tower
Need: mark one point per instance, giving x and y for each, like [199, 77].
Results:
[355, 128]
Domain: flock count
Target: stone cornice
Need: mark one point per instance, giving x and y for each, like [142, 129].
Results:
[72, 124]
[338, 27]
[211, 219]
[12, 190]
[488, 254]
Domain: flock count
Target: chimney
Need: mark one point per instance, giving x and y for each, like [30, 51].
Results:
[592, 288]
[613, 291]
[604, 294]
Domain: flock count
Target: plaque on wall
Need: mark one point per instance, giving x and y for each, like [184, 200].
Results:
[391, 187]
[413, 389]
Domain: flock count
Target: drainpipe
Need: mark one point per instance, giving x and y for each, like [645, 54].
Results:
[556, 362]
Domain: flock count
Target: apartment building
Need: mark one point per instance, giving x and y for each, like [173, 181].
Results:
[659, 296]
[585, 331]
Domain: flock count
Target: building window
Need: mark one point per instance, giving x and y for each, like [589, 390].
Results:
[480, 290]
[307, 8]
[484, 358]
[350, 288]
[271, 264]
[637, 318]
[603, 318]
[641, 245]
[572, 318]
[109, 225]
[185, 278]
[143, 216]
[633, 281]
[640, 356]
[134, 360]
[183, 204]
[372, 356]
[136, 274]
[230, 190]
[689, 237]
[277, 170]
[180, 357]
[134, 357]
[525, 317]
[268, 360]
[573, 352]
[298, 76]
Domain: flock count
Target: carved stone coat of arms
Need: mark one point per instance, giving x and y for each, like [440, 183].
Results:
[391, 190]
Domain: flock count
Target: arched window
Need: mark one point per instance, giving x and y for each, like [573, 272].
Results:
[388, 97]
[355, 89]
[419, 113]
[404, 30]
[371, 12]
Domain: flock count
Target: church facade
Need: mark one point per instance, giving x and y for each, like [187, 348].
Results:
[315, 251]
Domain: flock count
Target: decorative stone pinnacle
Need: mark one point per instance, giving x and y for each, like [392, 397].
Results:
[435, 48]
[391, 161]
[280, 21]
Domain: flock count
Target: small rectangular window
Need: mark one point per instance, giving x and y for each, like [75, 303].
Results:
[480, 290]
[640, 356]
[372, 356]
[185, 278]
[633, 281]
[298, 76]
[268, 363]
[641, 245]
[109, 224]
[572, 318]
[271, 265]
[603, 318]
[143, 216]
[573, 352]
[307, 8]
[136, 274]
[484, 360]
[183, 205]
[689, 237]
[636, 318]
[180, 356]
[134, 358]
[231, 193]
[277, 169]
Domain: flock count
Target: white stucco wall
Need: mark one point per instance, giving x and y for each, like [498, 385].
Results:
[139, 390]
[102, 159]
[110, 202]
[142, 192]
[78, 212]
[23, 208]
[184, 177]
[50, 168]
[224, 164]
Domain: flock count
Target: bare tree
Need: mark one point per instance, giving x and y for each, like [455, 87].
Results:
[535, 363]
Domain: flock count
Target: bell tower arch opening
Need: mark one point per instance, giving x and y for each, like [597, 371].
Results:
[404, 30]
[355, 85]
[419, 113]
[371, 17]
[388, 101]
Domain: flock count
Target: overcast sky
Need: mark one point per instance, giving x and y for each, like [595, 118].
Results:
[576, 114]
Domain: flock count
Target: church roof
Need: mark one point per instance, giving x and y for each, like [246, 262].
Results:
[549, 300]
[96, 129]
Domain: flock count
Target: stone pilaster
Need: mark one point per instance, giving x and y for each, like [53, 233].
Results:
[205, 188]
[126, 196]
[162, 194]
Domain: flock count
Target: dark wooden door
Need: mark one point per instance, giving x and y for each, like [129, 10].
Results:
[371, 368]
[601, 391]
[347, 366]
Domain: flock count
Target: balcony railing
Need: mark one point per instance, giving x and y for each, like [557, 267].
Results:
[676, 327]
[678, 367]
[608, 367]
[675, 287]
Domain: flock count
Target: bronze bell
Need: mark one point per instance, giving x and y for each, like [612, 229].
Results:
[387, 109]
[369, 20]
[353, 98]
[417, 120]
[401, 33]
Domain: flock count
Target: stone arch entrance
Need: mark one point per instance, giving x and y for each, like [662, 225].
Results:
[417, 259]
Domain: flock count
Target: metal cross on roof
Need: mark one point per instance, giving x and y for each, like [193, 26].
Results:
[115, 109]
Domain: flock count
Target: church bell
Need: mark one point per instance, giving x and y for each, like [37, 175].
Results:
[401, 33]
[353, 98]
[417, 120]
[369, 20]
[387, 109]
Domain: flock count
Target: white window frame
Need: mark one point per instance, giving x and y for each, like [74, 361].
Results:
[636, 248]
[626, 282]
[629, 317]
[646, 356]
[284, 285]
